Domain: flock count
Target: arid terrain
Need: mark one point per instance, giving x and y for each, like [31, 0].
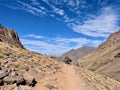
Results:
[105, 59]
[21, 69]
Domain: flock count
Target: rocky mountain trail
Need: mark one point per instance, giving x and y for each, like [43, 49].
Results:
[21, 69]
[67, 78]
[73, 80]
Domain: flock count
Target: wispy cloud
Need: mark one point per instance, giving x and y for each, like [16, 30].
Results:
[97, 18]
[31, 9]
[33, 36]
[35, 2]
[101, 25]
[58, 11]
[79, 15]
[56, 46]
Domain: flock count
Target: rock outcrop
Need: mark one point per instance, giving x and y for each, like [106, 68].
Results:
[10, 36]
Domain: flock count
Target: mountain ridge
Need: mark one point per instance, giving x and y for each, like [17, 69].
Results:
[105, 59]
[10, 36]
[75, 54]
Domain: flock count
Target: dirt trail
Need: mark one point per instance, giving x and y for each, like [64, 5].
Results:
[68, 79]
[73, 80]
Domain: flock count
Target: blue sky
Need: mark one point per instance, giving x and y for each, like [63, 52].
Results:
[53, 27]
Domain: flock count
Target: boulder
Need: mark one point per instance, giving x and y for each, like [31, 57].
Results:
[15, 79]
[29, 79]
[67, 60]
[3, 61]
[8, 87]
[3, 73]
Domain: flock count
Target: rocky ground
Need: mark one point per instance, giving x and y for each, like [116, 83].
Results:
[21, 68]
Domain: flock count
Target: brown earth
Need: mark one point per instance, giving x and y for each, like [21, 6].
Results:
[48, 73]
[67, 78]
[105, 59]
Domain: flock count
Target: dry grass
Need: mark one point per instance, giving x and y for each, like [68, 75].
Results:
[98, 81]
[22, 59]
[104, 62]
[51, 87]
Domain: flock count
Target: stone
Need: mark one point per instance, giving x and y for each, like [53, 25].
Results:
[20, 80]
[3, 61]
[1, 82]
[8, 87]
[9, 80]
[29, 79]
[3, 74]
[15, 79]
[21, 87]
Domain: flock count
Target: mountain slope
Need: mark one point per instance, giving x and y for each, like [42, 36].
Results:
[106, 58]
[75, 54]
[10, 36]
[21, 69]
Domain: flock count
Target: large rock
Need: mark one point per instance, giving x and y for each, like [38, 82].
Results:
[3, 73]
[29, 79]
[3, 61]
[8, 87]
[21, 87]
[12, 80]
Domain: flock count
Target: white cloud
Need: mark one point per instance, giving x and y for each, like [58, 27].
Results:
[31, 9]
[44, 47]
[101, 25]
[35, 2]
[58, 11]
[33, 36]
[56, 46]
[68, 40]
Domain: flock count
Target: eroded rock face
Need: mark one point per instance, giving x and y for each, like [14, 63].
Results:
[10, 36]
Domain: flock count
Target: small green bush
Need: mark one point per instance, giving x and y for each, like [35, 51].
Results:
[51, 87]
[1, 56]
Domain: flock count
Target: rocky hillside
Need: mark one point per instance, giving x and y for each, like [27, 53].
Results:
[10, 36]
[106, 58]
[21, 69]
[75, 54]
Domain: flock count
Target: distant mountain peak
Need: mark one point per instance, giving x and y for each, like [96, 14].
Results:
[75, 54]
